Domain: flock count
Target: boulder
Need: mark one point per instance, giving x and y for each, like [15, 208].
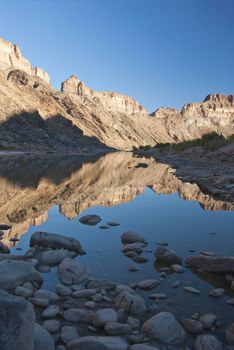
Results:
[77, 315]
[216, 264]
[52, 326]
[54, 257]
[51, 311]
[98, 343]
[14, 273]
[42, 339]
[91, 220]
[46, 294]
[207, 320]
[55, 241]
[130, 303]
[167, 256]
[142, 347]
[165, 328]
[63, 290]
[23, 292]
[148, 284]
[16, 323]
[207, 342]
[99, 283]
[192, 326]
[116, 328]
[84, 293]
[71, 272]
[131, 237]
[133, 247]
[102, 316]
[69, 333]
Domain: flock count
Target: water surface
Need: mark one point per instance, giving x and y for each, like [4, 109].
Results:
[52, 193]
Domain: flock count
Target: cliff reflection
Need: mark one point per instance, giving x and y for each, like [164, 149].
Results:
[29, 186]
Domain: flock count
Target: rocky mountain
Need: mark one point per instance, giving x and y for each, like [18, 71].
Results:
[34, 116]
[214, 114]
[11, 58]
[29, 187]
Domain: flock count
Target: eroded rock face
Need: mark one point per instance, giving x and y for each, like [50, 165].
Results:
[214, 114]
[111, 101]
[11, 58]
[16, 323]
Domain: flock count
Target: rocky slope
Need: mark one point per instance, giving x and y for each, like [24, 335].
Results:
[35, 116]
[29, 187]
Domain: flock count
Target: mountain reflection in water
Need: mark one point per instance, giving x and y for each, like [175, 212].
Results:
[30, 186]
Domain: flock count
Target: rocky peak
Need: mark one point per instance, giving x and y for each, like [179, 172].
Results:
[11, 58]
[164, 112]
[220, 99]
[111, 101]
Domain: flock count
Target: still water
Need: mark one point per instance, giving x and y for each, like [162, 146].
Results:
[51, 194]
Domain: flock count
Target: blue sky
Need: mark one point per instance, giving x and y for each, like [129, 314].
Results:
[162, 52]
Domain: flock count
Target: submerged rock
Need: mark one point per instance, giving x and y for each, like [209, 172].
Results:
[112, 223]
[165, 328]
[14, 273]
[217, 293]
[16, 323]
[55, 241]
[54, 257]
[131, 237]
[148, 284]
[192, 290]
[167, 256]
[91, 220]
[71, 272]
[217, 264]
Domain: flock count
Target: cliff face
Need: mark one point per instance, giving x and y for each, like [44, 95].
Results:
[214, 114]
[35, 116]
[11, 58]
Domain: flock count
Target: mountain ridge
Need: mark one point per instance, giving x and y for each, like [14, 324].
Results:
[35, 116]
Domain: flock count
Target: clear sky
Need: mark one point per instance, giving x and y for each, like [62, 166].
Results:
[162, 52]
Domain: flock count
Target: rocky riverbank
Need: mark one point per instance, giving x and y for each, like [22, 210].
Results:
[84, 312]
